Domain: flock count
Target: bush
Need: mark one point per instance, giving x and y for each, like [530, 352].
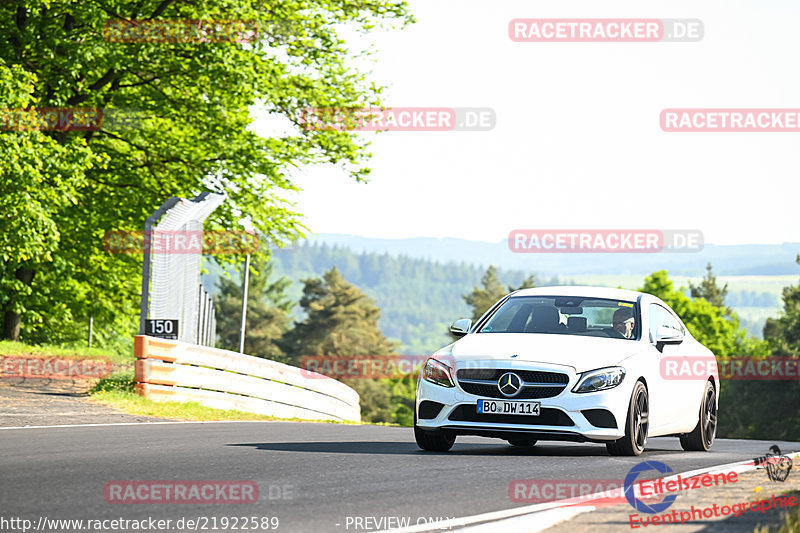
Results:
[121, 382]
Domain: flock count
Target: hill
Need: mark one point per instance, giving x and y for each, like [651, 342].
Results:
[732, 260]
[419, 298]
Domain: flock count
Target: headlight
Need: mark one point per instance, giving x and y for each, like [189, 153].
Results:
[597, 380]
[438, 373]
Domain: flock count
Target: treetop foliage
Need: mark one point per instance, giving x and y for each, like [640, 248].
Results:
[339, 320]
[191, 102]
[707, 323]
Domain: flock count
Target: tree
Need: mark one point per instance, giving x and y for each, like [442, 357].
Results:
[743, 404]
[710, 291]
[38, 177]
[769, 409]
[340, 320]
[486, 295]
[708, 324]
[192, 103]
[268, 313]
[527, 283]
[783, 332]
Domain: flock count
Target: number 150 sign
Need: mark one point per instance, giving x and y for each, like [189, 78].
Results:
[162, 327]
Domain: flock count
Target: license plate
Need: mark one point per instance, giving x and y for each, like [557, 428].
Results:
[503, 407]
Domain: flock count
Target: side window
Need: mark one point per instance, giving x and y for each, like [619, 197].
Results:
[661, 317]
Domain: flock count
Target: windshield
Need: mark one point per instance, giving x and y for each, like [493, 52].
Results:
[561, 315]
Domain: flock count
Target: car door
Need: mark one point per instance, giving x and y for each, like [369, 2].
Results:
[666, 405]
[678, 394]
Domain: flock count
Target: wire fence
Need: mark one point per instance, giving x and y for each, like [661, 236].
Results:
[171, 289]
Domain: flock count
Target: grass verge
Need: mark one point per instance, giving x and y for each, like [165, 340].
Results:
[20, 349]
[117, 392]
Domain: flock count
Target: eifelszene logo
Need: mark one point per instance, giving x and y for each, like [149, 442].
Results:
[629, 485]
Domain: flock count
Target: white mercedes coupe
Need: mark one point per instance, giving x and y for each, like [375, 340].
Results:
[579, 364]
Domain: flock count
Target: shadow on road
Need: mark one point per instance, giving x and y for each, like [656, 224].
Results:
[467, 449]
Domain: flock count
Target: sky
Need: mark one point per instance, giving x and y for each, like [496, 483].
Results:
[577, 142]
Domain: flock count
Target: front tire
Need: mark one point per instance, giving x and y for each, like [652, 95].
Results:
[702, 437]
[636, 425]
[433, 441]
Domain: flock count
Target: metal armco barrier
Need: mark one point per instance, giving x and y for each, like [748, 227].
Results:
[175, 371]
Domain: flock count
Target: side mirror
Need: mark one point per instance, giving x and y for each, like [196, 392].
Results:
[461, 327]
[665, 335]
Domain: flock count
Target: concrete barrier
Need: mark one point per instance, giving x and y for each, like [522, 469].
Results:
[167, 370]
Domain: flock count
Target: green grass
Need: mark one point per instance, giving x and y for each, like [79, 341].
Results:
[132, 403]
[117, 392]
[19, 349]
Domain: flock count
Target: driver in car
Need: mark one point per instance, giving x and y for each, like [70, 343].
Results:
[623, 322]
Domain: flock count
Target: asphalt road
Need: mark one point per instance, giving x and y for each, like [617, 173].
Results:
[312, 477]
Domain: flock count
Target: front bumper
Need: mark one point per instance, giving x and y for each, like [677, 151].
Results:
[563, 417]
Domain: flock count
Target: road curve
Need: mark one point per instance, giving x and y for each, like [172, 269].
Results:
[312, 477]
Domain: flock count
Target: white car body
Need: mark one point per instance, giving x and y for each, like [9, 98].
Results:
[674, 404]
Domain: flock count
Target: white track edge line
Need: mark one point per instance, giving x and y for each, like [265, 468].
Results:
[544, 520]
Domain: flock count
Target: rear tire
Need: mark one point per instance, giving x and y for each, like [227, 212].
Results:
[702, 437]
[522, 443]
[433, 441]
[636, 425]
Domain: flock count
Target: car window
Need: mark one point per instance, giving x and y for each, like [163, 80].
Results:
[659, 316]
[593, 317]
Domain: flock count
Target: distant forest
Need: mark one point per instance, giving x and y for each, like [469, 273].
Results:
[420, 298]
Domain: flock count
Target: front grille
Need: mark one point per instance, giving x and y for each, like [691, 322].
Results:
[528, 393]
[531, 376]
[548, 417]
[490, 376]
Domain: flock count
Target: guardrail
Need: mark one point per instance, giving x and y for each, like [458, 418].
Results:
[176, 371]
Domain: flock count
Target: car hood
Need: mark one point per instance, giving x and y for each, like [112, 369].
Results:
[580, 353]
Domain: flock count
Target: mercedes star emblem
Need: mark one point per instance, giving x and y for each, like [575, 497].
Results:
[509, 384]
